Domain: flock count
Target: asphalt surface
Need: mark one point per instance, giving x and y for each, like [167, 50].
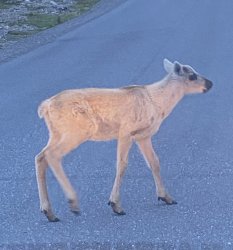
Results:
[125, 45]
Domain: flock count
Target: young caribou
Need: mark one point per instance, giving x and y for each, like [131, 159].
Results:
[129, 114]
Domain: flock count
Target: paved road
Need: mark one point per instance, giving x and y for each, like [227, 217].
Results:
[123, 46]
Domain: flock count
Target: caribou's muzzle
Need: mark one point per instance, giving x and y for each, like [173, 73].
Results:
[208, 85]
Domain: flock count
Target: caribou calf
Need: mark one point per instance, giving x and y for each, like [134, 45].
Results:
[129, 114]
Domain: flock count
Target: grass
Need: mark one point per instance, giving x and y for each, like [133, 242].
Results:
[84, 5]
[44, 21]
[4, 5]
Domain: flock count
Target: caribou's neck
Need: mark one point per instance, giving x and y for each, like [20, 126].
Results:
[165, 94]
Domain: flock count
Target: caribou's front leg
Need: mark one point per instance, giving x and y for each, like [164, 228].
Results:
[152, 160]
[123, 148]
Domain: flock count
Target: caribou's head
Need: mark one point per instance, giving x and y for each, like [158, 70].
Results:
[192, 81]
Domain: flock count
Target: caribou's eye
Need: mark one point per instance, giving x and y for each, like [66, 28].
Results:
[193, 77]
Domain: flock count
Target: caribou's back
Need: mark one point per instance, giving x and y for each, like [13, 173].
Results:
[103, 113]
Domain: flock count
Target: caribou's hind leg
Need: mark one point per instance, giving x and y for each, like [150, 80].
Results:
[53, 155]
[41, 167]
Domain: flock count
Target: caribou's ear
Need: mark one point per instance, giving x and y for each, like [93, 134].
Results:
[168, 66]
[177, 68]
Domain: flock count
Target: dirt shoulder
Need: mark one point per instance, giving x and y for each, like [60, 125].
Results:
[28, 24]
[22, 18]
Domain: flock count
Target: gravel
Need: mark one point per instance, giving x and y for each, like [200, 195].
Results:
[22, 18]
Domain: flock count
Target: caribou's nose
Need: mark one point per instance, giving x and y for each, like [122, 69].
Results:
[208, 85]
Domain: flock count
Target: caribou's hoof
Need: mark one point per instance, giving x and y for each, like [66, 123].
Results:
[122, 212]
[167, 200]
[116, 208]
[50, 216]
[75, 211]
[74, 207]
[55, 219]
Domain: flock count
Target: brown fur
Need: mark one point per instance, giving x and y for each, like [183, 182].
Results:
[128, 114]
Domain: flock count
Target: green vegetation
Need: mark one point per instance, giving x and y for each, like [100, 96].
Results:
[5, 5]
[84, 5]
[37, 21]
[44, 21]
